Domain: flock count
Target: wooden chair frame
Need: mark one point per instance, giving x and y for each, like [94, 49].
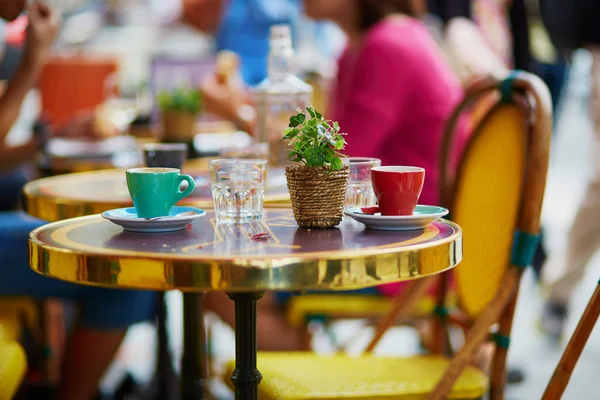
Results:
[403, 305]
[562, 374]
[522, 88]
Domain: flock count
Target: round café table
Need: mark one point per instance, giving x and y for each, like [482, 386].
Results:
[86, 193]
[242, 260]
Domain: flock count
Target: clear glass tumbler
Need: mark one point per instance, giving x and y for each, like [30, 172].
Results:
[360, 190]
[238, 189]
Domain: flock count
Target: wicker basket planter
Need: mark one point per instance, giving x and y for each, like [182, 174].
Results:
[318, 194]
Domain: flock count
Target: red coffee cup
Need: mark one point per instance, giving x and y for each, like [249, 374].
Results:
[397, 188]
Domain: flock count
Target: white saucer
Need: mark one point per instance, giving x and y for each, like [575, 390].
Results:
[128, 219]
[423, 216]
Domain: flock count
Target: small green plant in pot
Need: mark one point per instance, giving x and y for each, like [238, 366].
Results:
[180, 110]
[318, 184]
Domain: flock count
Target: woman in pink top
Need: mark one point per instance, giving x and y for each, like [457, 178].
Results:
[394, 90]
[393, 96]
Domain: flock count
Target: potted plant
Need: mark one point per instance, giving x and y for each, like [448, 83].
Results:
[180, 109]
[318, 184]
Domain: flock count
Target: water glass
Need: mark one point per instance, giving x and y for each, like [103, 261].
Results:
[360, 190]
[238, 189]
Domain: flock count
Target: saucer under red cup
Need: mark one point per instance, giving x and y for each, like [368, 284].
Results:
[397, 188]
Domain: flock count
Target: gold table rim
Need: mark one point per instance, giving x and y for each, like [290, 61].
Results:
[179, 257]
[45, 254]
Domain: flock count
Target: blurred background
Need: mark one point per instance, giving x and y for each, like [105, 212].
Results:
[115, 58]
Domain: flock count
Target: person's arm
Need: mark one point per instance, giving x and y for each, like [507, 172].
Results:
[12, 157]
[204, 15]
[16, 90]
[229, 101]
[43, 26]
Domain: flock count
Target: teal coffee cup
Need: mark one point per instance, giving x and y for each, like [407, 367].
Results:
[155, 190]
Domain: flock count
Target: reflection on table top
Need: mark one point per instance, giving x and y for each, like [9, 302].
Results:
[272, 254]
[87, 193]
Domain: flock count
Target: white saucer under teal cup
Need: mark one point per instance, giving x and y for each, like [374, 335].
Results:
[178, 219]
[423, 216]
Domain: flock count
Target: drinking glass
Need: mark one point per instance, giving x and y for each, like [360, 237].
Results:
[360, 190]
[238, 189]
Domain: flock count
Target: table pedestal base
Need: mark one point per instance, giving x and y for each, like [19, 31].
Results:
[246, 376]
[192, 379]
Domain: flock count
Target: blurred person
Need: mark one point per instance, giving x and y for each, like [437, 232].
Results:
[242, 26]
[550, 64]
[17, 169]
[573, 25]
[446, 10]
[105, 314]
[393, 96]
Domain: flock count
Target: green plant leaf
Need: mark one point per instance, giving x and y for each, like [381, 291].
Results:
[329, 153]
[310, 131]
[315, 157]
[314, 140]
[297, 120]
[290, 133]
[336, 164]
[180, 99]
[294, 122]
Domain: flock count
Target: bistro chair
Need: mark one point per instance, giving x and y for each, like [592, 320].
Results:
[15, 314]
[37, 326]
[496, 197]
[415, 302]
[13, 365]
[562, 374]
[71, 85]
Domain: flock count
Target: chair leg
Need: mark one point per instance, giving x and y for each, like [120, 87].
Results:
[401, 306]
[441, 335]
[478, 333]
[566, 365]
[498, 374]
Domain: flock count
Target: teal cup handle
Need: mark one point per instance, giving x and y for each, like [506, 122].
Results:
[191, 186]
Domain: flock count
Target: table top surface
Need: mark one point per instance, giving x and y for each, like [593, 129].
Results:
[87, 193]
[272, 254]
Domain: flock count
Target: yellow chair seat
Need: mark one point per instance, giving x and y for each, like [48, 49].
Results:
[13, 365]
[11, 327]
[12, 312]
[298, 376]
[350, 306]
